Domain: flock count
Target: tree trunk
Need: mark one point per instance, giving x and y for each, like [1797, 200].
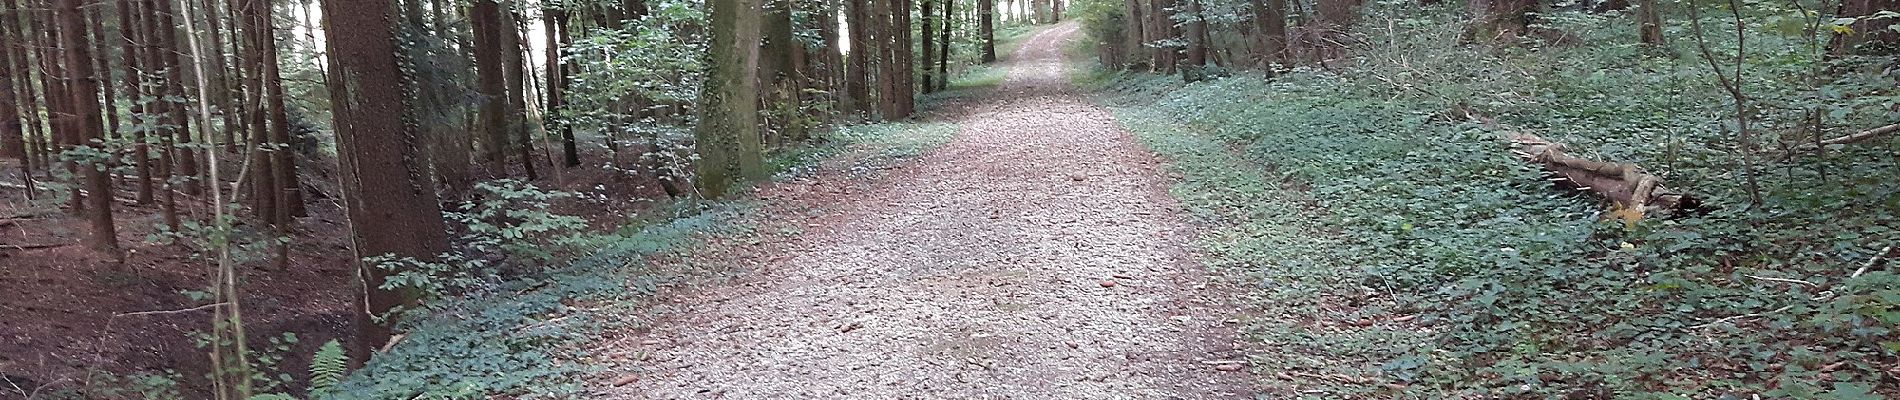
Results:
[12, 140]
[392, 205]
[1197, 43]
[1132, 56]
[165, 37]
[85, 94]
[1163, 16]
[262, 176]
[728, 130]
[1649, 22]
[554, 23]
[777, 72]
[887, 81]
[943, 44]
[929, 44]
[858, 75]
[907, 61]
[1270, 25]
[1635, 192]
[986, 26]
[513, 52]
[1502, 20]
[492, 83]
[130, 20]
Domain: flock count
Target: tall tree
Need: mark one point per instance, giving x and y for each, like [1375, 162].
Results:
[12, 138]
[943, 44]
[986, 26]
[929, 48]
[90, 131]
[728, 130]
[392, 205]
[1495, 19]
[131, 17]
[1649, 22]
[1197, 39]
[514, 51]
[777, 69]
[491, 81]
[1133, 37]
[1270, 24]
[906, 54]
[554, 25]
[1163, 29]
[858, 74]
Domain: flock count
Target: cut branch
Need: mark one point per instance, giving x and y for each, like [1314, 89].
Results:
[1854, 138]
[1634, 191]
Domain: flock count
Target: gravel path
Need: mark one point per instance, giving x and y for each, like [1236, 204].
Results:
[1035, 256]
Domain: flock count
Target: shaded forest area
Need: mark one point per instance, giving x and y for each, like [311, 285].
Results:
[1690, 199]
[235, 199]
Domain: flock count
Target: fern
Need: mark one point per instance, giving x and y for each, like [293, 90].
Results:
[326, 367]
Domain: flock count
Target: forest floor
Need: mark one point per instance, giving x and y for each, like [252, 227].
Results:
[1038, 254]
[90, 323]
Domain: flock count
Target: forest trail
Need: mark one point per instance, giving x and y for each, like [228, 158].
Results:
[1037, 255]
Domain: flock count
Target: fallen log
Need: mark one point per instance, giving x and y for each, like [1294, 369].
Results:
[1634, 192]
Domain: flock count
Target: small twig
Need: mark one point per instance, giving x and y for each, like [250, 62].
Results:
[1732, 318]
[180, 311]
[1871, 261]
[34, 246]
[1782, 280]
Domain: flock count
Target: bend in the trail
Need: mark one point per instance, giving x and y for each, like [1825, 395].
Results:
[1035, 256]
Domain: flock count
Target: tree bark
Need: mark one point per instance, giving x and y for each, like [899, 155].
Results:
[943, 45]
[492, 83]
[165, 37]
[513, 52]
[1197, 42]
[1270, 24]
[887, 81]
[12, 140]
[728, 130]
[777, 70]
[554, 23]
[1166, 56]
[929, 45]
[986, 26]
[387, 193]
[907, 61]
[1649, 22]
[1496, 19]
[85, 89]
[131, 19]
[1634, 191]
[864, 51]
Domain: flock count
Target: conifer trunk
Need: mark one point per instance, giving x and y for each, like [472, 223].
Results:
[84, 90]
[491, 82]
[387, 193]
[728, 130]
[986, 26]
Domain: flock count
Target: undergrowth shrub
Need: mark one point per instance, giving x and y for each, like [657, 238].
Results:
[1449, 268]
